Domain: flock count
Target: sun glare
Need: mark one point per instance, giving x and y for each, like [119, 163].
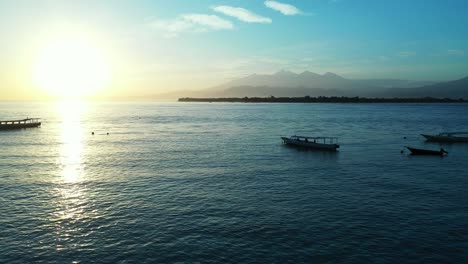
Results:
[71, 67]
[71, 153]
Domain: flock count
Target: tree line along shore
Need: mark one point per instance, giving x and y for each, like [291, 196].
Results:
[322, 99]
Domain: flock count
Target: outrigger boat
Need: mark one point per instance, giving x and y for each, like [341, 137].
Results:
[448, 137]
[17, 124]
[415, 151]
[322, 143]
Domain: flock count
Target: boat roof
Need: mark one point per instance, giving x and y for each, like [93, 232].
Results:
[20, 120]
[314, 137]
[454, 133]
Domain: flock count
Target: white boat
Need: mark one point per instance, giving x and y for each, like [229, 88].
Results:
[322, 143]
[448, 137]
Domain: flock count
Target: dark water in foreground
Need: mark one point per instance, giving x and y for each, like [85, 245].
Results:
[213, 183]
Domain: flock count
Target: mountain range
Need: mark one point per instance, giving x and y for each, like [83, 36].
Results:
[289, 84]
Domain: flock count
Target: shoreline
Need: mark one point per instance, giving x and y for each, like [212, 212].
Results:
[320, 99]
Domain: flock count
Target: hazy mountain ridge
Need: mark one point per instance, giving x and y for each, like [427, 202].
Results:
[289, 84]
[451, 89]
[309, 79]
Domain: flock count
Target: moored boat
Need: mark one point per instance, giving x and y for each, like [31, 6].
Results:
[416, 151]
[448, 137]
[321, 143]
[18, 124]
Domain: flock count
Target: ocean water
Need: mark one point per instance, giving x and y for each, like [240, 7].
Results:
[213, 183]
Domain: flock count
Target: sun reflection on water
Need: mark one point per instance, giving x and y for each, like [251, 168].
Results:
[71, 140]
[72, 205]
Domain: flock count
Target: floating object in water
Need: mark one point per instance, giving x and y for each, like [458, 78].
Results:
[415, 151]
[107, 133]
[92, 133]
[17, 124]
[448, 137]
[322, 143]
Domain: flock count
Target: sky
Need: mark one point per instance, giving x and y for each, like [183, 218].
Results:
[139, 48]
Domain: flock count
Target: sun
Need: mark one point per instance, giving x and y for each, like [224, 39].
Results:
[71, 67]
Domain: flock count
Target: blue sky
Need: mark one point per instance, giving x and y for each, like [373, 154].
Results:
[178, 44]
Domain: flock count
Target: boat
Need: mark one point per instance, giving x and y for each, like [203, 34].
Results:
[448, 137]
[18, 124]
[415, 151]
[321, 143]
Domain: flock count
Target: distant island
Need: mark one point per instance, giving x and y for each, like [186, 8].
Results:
[322, 99]
[289, 84]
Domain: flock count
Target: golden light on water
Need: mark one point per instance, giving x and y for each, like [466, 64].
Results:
[71, 137]
[71, 204]
[71, 66]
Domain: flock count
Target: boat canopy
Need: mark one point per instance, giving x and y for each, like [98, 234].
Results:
[331, 139]
[314, 137]
[453, 133]
[21, 121]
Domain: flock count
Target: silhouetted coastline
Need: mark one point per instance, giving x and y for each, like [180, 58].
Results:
[322, 99]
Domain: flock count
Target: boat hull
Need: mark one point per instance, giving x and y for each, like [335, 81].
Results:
[415, 151]
[437, 138]
[310, 145]
[19, 126]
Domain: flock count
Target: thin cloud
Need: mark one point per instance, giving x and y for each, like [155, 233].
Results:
[455, 52]
[191, 23]
[383, 58]
[449, 52]
[242, 14]
[210, 21]
[405, 54]
[285, 9]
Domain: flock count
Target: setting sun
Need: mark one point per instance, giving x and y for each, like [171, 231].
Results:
[71, 67]
[254, 131]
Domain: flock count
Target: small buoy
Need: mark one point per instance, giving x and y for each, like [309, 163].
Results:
[401, 152]
[107, 133]
[404, 137]
[92, 133]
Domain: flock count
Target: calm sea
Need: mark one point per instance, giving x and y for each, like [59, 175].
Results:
[213, 183]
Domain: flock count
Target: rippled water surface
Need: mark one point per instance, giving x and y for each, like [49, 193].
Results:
[180, 182]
